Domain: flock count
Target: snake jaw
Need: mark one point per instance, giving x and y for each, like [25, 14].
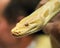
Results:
[37, 19]
[27, 28]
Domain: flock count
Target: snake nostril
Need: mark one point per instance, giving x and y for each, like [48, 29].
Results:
[16, 33]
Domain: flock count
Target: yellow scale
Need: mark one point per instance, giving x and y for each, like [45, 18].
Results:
[37, 20]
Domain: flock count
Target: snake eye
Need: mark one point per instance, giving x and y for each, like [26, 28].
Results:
[27, 24]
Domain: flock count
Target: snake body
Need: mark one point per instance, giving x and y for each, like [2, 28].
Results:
[37, 20]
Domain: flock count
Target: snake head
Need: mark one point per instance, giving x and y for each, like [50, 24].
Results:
[27, 26]
[37, 19]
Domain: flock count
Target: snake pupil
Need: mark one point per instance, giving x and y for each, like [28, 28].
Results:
[26, 24]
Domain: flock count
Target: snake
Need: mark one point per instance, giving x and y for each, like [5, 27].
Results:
[37, 20]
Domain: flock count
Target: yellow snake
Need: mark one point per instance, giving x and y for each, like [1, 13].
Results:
[38, 19]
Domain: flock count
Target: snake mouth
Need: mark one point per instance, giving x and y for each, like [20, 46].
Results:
[28, 32]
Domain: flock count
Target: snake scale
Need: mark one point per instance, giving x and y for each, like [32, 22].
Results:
[37, 20]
